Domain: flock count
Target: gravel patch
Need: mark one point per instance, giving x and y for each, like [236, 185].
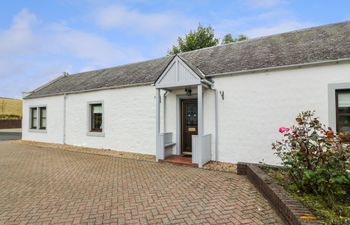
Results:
[221, 166]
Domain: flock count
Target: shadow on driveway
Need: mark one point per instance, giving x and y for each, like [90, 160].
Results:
[10, 134]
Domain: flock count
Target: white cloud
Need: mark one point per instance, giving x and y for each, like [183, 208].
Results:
[90, 46]
[263, 4]
[118, 16]
[263, 24]
[33, 52]
[283, 26]
[19, 38]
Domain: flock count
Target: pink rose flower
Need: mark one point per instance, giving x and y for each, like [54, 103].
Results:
[283, 129]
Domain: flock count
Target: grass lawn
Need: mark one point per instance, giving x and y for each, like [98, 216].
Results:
[338, 215]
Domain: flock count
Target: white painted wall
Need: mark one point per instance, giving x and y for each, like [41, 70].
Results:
[129, 119]
[256, 105]
[54, 110]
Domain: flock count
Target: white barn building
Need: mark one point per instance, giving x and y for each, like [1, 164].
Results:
[221, 103]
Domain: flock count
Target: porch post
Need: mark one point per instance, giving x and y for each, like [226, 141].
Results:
[200, 124]
[157, 124]
[200, 111]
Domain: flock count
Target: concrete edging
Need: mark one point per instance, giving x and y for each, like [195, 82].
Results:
[291, 210]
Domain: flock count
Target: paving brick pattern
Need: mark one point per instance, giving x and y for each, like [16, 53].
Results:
[49, 186]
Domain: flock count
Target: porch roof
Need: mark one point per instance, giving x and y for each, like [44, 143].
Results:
[318, 44]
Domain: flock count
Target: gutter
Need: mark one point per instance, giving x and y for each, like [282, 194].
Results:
[273, 68]
[205, 81]
[92, 90]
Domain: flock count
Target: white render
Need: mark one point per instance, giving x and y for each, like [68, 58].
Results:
[254, 106]
[54, 132]
[129, 119]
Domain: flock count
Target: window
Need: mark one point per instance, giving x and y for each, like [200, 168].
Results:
[42, 113]
[33, 118]
[38, 118]
[343, 112]
[96, 117]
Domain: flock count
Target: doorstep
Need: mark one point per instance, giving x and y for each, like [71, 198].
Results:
[179, 160]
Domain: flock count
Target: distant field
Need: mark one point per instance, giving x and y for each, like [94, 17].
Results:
[10, 106]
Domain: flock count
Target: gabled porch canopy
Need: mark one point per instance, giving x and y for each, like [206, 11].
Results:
[180, 74]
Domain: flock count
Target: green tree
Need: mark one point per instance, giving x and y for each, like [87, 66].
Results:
[229, 39]
[201, 38]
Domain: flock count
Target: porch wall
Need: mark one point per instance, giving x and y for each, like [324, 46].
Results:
[209, 118]
[172, 114]
[256, 105]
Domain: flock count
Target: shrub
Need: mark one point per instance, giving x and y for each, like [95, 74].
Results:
[315, 157]
[9, 117]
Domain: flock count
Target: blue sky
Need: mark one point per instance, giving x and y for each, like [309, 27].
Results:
[41, 39]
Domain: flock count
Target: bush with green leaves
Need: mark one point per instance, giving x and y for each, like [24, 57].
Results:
[315, 157]
[9, 117]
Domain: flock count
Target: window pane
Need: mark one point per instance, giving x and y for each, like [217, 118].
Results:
[34, 121]
[344, 100]
[344, 124]
[43, 112]
[43, 123]
[42, 118]
[34, 112]
[96, 117]
[97, 109]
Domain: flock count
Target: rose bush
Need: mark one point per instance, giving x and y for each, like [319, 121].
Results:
[315, 157]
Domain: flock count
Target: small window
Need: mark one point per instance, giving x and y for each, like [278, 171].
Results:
[33, 118]
[42, 113]
[96, 118]
[343, 112]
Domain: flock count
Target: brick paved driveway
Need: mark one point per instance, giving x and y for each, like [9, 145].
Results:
[49, 186]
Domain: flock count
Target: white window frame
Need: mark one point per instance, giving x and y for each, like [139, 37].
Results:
[37, 129]
[332, 115]
[89, 125]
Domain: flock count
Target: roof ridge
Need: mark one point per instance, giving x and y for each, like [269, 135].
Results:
[267, 36]
[295, 31]
[217, 46]
[232, 58]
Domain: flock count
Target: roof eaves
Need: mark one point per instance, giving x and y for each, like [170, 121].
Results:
[89, 90]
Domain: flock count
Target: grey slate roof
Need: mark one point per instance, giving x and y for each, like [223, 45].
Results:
[330, 42]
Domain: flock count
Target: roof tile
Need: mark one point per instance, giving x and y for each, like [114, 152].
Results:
[330, 42]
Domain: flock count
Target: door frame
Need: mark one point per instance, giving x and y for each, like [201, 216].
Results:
[179, 98]
[182, 117]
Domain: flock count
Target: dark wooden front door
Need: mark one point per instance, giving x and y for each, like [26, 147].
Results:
[189, 123]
